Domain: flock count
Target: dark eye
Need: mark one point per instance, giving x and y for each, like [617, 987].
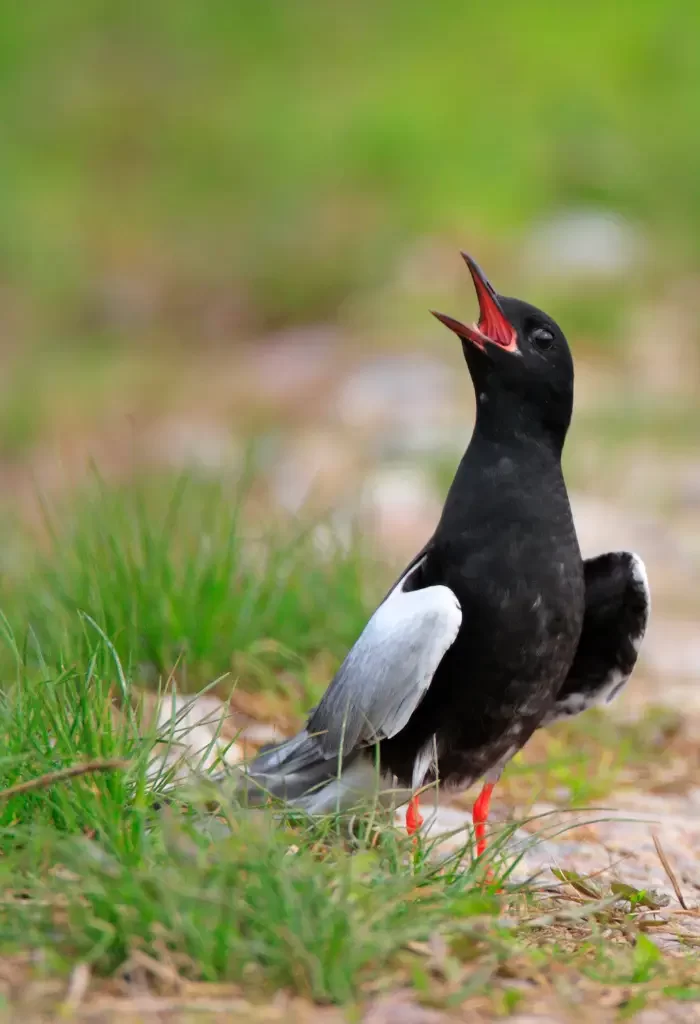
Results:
[542, 338]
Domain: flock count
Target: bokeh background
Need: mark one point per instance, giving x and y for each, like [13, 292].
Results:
[223, 224]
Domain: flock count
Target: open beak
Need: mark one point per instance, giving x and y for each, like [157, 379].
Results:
[493, 326]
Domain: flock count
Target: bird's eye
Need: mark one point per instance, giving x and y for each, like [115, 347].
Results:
[542, 338]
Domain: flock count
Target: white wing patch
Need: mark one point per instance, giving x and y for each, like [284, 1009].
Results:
[389, 669]
[638, 571]
[575, 703]
[426, 758]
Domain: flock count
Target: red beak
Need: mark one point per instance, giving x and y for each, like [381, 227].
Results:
[493, 326]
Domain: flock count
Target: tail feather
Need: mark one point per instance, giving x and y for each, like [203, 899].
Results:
[288, 771]
[299, 773]
[293, 755]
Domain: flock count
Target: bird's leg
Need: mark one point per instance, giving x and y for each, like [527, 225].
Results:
[414, 818]
[480, 816]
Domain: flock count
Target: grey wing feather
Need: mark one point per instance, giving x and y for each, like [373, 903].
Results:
[287, 771]
[389, 669]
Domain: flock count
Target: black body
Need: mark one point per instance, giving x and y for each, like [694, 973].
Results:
[507, 547]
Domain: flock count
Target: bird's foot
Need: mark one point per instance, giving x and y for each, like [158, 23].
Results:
[414, 818]
[480, 817]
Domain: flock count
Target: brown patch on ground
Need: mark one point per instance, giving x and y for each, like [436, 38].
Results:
[149, 990]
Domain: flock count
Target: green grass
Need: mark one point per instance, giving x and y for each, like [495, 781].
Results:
[207, 891]
[91, 871]
[171, 574]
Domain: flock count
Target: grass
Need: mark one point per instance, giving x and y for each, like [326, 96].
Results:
[91, 872]
[212, 599]
[198, 894]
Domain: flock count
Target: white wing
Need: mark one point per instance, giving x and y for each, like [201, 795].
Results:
[389, 669]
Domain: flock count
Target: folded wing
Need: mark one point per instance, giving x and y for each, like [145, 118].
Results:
[389, 669]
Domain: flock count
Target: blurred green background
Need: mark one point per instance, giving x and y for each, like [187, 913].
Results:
[181, 180]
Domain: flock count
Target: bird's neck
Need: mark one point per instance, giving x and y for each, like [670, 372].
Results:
[504, 422]
[511, 474]
[509, 454]
[504, 476]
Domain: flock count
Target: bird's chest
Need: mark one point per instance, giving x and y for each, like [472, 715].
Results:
[521, 618]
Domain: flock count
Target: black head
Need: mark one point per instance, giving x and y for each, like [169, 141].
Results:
[519, 362]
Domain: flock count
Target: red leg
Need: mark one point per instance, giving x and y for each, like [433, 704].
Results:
[414, 819]
[480, 816]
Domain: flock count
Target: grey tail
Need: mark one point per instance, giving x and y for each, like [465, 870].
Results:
[289, 771]
[300, 774]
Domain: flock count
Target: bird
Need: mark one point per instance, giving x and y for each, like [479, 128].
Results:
[497, 627]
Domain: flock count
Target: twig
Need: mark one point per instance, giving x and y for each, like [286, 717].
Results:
[669, 870]
[60, 776]
[78, 984]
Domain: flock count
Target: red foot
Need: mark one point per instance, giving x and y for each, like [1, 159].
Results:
[414, 818]
[480, 816]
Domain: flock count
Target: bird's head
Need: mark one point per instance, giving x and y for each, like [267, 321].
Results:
[519, 362]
